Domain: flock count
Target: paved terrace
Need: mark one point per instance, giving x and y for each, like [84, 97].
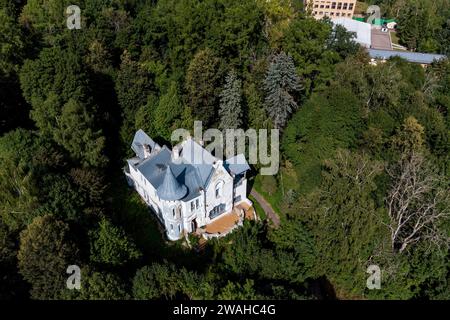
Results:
[381, 40]
[228, 220]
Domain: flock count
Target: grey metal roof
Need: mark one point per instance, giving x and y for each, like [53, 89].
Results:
[416, 57]
[154, 168]
[141, 138]
[184, 178]
[237, 165]
[171, 189]
[194, 154]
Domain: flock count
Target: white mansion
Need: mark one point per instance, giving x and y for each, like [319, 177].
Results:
[187, 187]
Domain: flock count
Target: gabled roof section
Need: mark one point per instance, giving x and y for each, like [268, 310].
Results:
[140, 139]
[237, 164]
[197, 156]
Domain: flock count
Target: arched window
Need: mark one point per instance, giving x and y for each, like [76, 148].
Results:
[218, 189]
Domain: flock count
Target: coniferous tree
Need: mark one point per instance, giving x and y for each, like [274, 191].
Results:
[280, 83]
[230, 103]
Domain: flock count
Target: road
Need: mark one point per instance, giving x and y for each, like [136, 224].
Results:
[270, 213]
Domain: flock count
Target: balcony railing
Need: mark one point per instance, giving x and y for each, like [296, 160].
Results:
[217, 211]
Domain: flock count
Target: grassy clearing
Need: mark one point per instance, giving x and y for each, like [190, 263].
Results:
[259, 211]
[273, 189]
[394, 38]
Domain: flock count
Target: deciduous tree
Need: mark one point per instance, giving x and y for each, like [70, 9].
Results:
[46, 250]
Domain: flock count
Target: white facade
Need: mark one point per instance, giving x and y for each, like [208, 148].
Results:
[185, 194]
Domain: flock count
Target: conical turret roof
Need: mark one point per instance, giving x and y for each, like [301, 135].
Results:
[171, 189]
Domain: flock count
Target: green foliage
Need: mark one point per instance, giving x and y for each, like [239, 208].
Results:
[111, 246]
[46, 250]
[71, 101]
[410, 137]
[328, 121]
[132, 86]
[251, 257]
[342, 42]
[19, 196]
[102, 286]
[44, 19]
[203, 82]
[343, 218]
[168, 282]
[419, 22]
[257, 116]
[58, 72]
[76, 133]
[155, 281]
[236, 291]
[12, 44]
[56, 85]
[281, 84]
[61, 198]
[304, 41]
[11, 284]
[230, 111]
[168, 113]
[269, 184]
[178, 30]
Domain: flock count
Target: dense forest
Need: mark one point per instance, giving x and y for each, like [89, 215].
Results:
[365, 165]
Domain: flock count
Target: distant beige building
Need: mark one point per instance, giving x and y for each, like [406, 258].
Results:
[332, 9]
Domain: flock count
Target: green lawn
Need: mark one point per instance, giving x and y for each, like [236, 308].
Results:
[394, 38]
[273, 193]
[259, 211]
[274, 198]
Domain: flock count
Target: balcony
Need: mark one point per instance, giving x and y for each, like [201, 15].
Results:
[217, 211]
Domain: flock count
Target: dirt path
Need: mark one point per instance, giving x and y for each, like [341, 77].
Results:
[270, 213]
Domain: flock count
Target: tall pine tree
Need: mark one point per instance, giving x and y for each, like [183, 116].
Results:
[230, 102]
[280, 83]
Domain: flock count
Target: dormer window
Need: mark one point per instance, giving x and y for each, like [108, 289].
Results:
[147, 150]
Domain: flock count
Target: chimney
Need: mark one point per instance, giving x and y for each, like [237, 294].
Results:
[176, 153]
[147, 150]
